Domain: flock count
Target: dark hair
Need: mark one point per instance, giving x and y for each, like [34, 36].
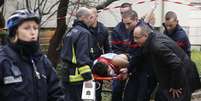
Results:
[145, 28]
[131, 13]
[100, 69]
[170, 15]
[125, 5]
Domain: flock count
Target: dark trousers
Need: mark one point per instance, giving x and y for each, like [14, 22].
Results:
[99, 90]
[164, 95]
[73, 92]
[118, 89]
[139, 87]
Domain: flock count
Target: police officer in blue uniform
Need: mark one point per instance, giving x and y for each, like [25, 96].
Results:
[25, 73]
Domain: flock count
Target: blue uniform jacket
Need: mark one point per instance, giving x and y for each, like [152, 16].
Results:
[180, 37]
[19, 82]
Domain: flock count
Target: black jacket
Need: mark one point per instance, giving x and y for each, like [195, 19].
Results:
[120, 39]
[77, 52]
[19, 82]
[100, 40]
[171, 64]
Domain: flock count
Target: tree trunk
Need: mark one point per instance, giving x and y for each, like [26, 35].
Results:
[2, 20]
[1, 2]
[55, 41]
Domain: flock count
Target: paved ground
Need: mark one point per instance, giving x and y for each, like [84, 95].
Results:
[196, 96]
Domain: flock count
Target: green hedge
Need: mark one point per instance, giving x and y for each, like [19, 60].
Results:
[196, 57]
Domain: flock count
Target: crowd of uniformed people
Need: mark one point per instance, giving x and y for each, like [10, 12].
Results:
[158, 62]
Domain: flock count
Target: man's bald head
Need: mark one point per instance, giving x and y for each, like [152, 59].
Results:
[83, 11]
[85, 15]
[141, 33]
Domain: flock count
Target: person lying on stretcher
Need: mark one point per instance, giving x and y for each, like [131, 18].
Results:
[110, 66]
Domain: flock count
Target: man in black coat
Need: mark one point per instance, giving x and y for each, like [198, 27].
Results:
[172, 65]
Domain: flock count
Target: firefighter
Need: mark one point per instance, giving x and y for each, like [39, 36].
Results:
[76, 55]
[25, 73]
[120, 37]
[176, 32]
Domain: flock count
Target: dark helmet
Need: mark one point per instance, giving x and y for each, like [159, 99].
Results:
[18, 17]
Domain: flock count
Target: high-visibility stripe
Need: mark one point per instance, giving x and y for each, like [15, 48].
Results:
[73, 55]
[77, 77]
[84, 69]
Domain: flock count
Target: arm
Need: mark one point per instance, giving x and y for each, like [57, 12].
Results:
[173, 62]
[150, 14]
[55, 91]
[183, 42]
[83, 57]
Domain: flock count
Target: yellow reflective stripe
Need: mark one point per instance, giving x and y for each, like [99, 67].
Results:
[73, 55]
[76, 71]
[77, 77]
[84, 69]
[74, 78]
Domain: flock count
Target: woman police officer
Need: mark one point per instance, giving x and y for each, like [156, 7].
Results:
[25, 73]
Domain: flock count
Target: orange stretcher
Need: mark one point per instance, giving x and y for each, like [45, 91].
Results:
[103, 78]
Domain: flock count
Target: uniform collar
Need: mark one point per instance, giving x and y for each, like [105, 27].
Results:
[80, 23]
[14, 55]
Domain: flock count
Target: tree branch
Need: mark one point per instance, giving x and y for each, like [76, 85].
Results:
[27, 4]
[44, 6]
[48, 17]
[45, 13]
[105, 4]
[39, 4]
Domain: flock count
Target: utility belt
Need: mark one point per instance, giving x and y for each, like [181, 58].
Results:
[70, 73]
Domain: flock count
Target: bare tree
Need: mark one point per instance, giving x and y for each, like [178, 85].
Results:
[53, 54]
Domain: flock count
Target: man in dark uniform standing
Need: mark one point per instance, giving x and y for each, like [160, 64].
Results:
[100, 44]
[76, 55]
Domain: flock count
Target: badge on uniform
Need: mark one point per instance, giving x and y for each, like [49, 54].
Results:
[12, 79]
[16, 76]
